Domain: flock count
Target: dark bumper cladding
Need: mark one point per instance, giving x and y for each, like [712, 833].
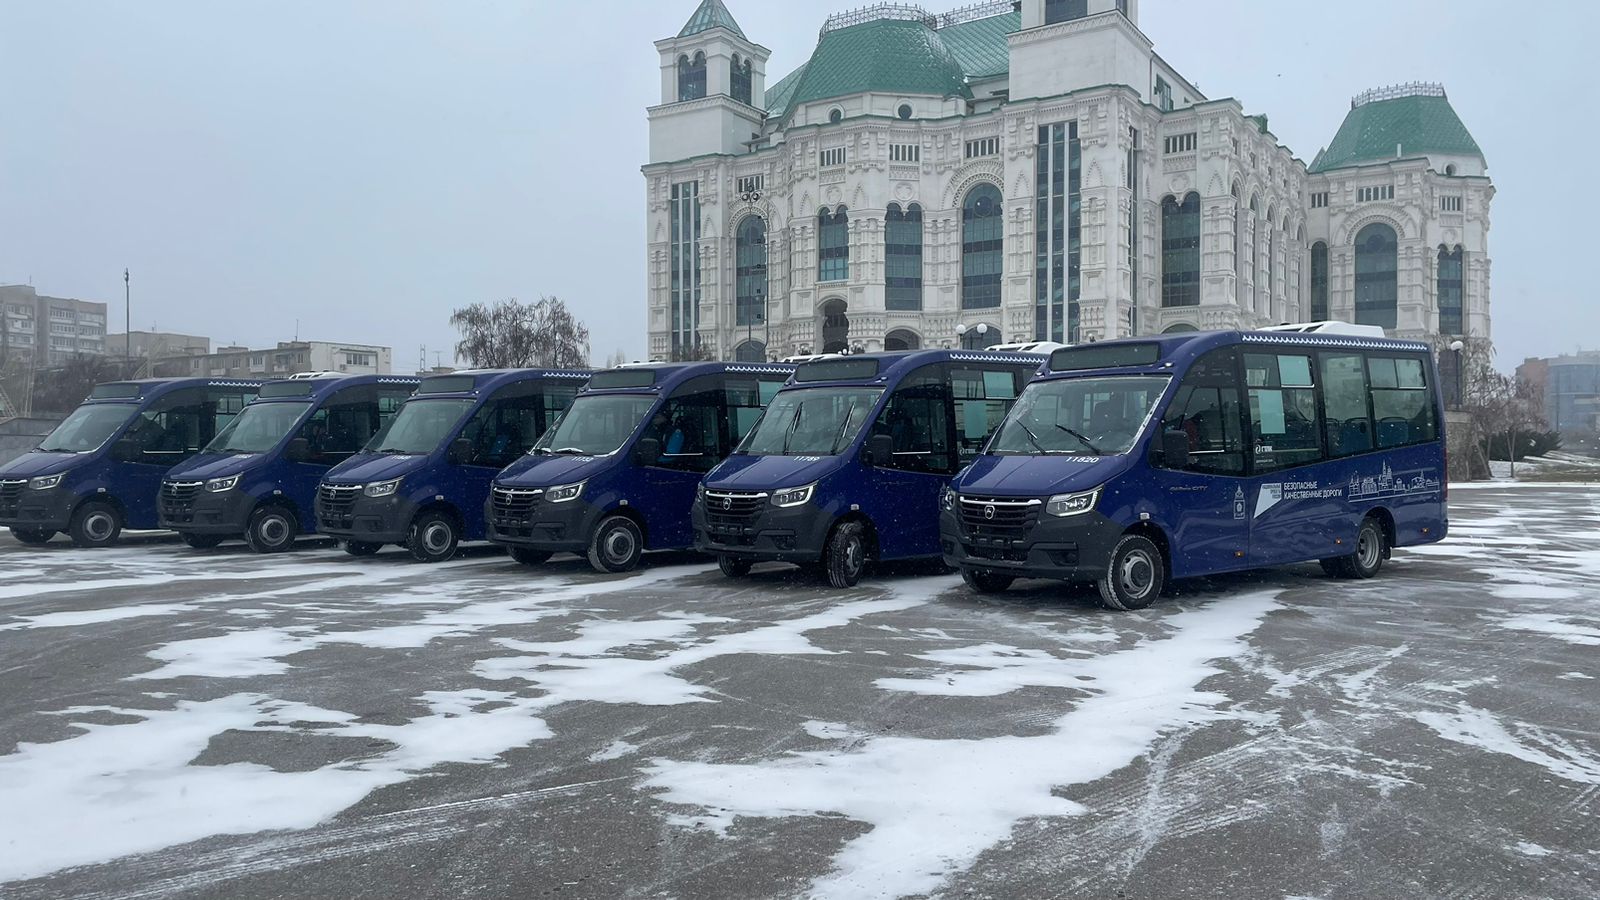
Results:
[23, 507]
[520, 517]
[746, 525]
[1016, 537]
[344, 512]
[186, 506]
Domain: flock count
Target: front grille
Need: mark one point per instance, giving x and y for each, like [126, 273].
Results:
[11, 497]
[732, 511]
[334, 505]
[511, 509]
[177, 500]
[994, 521]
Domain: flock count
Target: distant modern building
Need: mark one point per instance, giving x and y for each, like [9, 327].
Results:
[1571, 385]
[50, 330]
[290, 357]
[1034, 170]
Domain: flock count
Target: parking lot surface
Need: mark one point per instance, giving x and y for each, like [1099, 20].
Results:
[220, 724]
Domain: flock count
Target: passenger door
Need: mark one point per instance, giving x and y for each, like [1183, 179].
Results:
[902, 498]
[501, 431]
[169, 431]
[690, 430]
[1291, 510]
[1205, 504]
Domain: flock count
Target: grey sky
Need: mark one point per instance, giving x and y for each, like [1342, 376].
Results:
[366, 166]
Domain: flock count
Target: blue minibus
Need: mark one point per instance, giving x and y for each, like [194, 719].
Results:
[1133, 462]
[848, 462]
[258, 477]
[421, 481]
[617, 474]
[100, 470]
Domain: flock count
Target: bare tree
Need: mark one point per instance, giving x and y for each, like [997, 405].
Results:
[61, 390]
[514, 335]
[699, 351]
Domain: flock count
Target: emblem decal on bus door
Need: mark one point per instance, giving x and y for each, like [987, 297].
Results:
[1238, 503]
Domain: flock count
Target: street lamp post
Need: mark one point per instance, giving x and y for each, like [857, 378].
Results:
[127, 311]
[1456, 347]
[980, 329]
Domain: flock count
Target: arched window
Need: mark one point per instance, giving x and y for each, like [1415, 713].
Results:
[1180, 251]
[750, 352]
[1271, 243]
[1377, 291]
[1449, 290]
[1319, 282]
[902, 238]
[901, 339]
[1180, 328]
[982, 247]
[980, 337]
[739, 79]
[835, 326]
[1248, 276]
[692, 77]
[833, 245]
[904, 111]
[750, 261]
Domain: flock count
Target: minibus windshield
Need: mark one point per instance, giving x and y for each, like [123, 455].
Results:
[597, 425]
[257, 428]
[811, 421]
[88, 427]
[419, 427]
[1079, 416]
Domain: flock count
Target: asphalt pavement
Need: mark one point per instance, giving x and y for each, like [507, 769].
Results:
[219, 724]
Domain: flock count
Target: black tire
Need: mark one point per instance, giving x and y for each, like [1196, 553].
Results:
[1135, 575]
[200, 541]
[33, 536]
[618, 543]
[1367, 559]
[529, 556]
[95, 524]
[987, 582]
[845, 556]
[434, 537]
[272, 529]
[733, 566]
[361, 548]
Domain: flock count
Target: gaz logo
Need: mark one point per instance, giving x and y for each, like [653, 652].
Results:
[988, 512]
[727, 503]
[1238, 503]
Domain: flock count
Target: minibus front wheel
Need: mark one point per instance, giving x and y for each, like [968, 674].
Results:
[987, 582]
[1135, 575]
[845, 557]
[200, 541]
[33, 536]
[616, 547]
[272, 529]
[95, 524]
[434, 537]
[733, 566]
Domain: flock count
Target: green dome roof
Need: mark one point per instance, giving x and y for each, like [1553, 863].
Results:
[1416, 119]
[886, 56]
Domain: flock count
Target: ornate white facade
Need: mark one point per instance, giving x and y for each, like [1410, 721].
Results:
[1174, 210]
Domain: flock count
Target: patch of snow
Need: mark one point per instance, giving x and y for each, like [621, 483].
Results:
[1480, 728]
[1565, 628]
[1575, 676]
[614, 750]
[1527, 848]
[831, 731]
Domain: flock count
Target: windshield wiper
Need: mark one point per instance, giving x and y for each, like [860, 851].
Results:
[788, 434]
[1081, 439]
[1032, 438]
[391, 450]
[575, 451]
[833, 448]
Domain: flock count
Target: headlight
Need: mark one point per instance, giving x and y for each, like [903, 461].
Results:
[1072, 504]
[948, 499]
[563, 493]
[218, 485]
[793, 496]
[46, 482]
[700, 491]
[382, 488]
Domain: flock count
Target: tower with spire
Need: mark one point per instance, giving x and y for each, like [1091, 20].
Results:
[713, 79]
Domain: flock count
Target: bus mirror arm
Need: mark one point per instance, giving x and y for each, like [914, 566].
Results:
[460, 451]
[880, 450]
[647, 452]
[126, 450]
[1175, 449]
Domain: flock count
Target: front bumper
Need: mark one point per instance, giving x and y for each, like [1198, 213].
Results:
[223, 512]
[794, 534]
[47, 510]
[554, 527]
[368, 520]
[1068, 548]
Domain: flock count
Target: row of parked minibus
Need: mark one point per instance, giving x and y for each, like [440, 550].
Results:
[1125, 463]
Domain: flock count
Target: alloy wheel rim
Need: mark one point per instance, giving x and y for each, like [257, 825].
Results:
[274, 531]
[853, 556]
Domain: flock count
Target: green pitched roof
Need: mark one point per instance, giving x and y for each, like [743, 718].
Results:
[779, 94]
[1417, 123]
[711, 14]
[980, 45]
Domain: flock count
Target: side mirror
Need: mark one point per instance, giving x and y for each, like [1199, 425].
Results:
[647, 452]
[880, 450]
[460, 452]
[1175, 449]
[126, 450]
[299, 450]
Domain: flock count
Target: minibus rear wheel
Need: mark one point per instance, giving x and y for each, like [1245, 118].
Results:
[95, 524]
[361, 548]
[616, 546]
[200, 541]
[846, 555]
[433, 537]
[1135, 576]
[987, 582]
[34, 536]
[272, 529]
[733, 566]
[1367, 558]
[529, 556]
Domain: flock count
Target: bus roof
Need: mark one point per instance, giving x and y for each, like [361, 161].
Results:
[322, 384]
[874, 368]
[1163, 351]
[147, 388]
[470, 382]
[664, 377]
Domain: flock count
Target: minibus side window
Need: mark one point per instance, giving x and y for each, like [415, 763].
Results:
[1206, 408]
[982, 399]
[1402, 403]
[556, 398]
[746, 399]
[505, 427]
[1283, 411]
[1344, 399]
[688, 428]
[225, 405]
[916, 418]
[174, 427]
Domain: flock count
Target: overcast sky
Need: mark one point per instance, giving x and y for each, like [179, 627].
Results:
[364, 167]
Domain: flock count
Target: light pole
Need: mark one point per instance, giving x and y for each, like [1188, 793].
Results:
[127, 311]
[961, 332]
[1456, 347]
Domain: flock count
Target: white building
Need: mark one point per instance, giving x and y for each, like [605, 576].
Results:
[1014, 172]
[51, 330]
[290, 357]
